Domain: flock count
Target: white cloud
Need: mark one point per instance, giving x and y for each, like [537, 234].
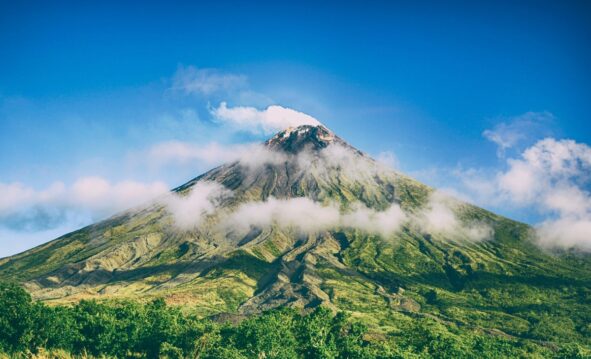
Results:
[381, 222]
[567, 200]
[28, 208]
[192, 80]
[440, 216]
[297, 213]
[546, 167]
[561, 172]
[99, 195]
[349, 162]
[566, 232]
[551, 177]
[189, 210]
[270, 120]
[521, 183]
[512, 131]
[305, 215]
[16, 196]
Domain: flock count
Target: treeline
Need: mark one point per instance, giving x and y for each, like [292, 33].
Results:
[154, 330]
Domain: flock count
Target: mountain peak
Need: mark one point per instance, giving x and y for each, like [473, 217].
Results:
[295, 139]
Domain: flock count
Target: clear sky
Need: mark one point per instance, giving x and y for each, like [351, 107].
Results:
[453, 94]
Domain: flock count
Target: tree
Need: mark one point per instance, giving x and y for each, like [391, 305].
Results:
[17, 316]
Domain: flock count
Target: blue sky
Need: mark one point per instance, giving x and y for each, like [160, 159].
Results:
[86, 90]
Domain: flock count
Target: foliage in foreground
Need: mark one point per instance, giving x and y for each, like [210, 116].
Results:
[133, 329]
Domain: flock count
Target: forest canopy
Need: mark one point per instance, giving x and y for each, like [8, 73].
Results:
[150, 330]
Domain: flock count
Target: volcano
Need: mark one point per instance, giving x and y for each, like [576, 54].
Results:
[303, 220]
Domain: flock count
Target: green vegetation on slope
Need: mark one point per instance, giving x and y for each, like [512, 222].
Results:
[130, 329]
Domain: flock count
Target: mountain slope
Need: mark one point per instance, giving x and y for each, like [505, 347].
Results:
[503, 284]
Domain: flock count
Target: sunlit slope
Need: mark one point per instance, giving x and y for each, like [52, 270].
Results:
[505, 284]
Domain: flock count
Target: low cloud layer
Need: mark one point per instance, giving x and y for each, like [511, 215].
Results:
[301, 214]
[337, 157]
[307, 216]
[268, 121]
[384, 222]
[189, 210]
[23, 207]
[304, 215]
[439, 216]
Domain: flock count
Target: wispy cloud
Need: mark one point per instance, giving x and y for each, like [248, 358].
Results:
[206, 81]
[514, 130]
[384, 222]
[304, 215]
[189, 210]
[307, 216]
[440, 216]
[301, 214]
